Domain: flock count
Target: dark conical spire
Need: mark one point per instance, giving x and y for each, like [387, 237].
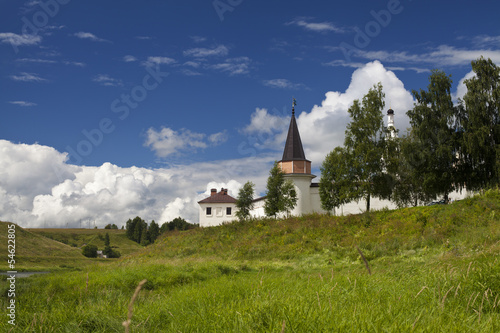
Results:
[293, 146]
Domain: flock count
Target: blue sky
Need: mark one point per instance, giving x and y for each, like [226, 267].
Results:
[182, 90]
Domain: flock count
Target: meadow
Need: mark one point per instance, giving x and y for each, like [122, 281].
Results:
[427, 269]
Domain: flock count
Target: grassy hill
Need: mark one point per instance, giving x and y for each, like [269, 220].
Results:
[432, 269]
[35, 252]
[80, 237]
[53, 249]
[470, 223]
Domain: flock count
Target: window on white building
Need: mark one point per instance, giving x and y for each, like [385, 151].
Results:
[218, 211]
[209, 211]
[228, 211]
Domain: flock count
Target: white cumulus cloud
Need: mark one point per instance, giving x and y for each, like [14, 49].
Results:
[462, 88]
[38, 188]
[167, 141]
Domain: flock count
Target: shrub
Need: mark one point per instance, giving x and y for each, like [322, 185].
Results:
[90, 251]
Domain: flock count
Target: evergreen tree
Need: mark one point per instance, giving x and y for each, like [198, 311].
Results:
[164, 228]
[281, 195]
[110, 253]
[153, 231]
[144, 241]
[244, 202]
[431, 119]
[130, 229]
[479, 126]
[135, 228]
[106, 240]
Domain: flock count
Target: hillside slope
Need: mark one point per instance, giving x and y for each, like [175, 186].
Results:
[433, 269]
[80, 237]
[472, 222]
[34, 252]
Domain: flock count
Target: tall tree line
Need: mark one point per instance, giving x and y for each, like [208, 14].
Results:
[448, 147]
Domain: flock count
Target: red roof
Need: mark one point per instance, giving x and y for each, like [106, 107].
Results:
[221, 197]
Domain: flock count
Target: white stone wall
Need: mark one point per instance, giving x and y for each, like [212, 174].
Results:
[316, 201]
[359, 207]
[309, 203]
[258, 209]
[302, 184]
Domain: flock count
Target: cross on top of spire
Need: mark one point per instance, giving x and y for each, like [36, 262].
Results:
[293, 146]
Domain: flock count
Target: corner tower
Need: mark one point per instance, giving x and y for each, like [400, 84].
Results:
[294, 160]
[297, 168]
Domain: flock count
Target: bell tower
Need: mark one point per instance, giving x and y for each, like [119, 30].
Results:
[294, 160]
[296, 167]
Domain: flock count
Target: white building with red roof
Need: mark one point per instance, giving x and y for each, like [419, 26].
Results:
[218, 208]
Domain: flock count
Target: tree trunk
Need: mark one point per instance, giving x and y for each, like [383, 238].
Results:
[368, 203]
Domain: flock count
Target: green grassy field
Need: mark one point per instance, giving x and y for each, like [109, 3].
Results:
[38, 253]
[433, 269]
[56, 249]
[80, 237]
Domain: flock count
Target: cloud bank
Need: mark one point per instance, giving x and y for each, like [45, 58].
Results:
[38, 188]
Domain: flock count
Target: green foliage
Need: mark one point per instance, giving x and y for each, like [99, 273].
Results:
[111, 226]
[479, 126]
[336, 180]
[137, 230]
[431, 119]
[108, 250]
[406, 157]
[110, 253]
[360, 163]
[144, 239]
[106, 240]
[90, 251]
[244, 202]
[153, 231]
[447, 148]
[177, 224]
[281, 195]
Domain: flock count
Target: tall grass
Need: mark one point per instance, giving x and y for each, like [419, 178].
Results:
[228, 297]
[433, 269]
